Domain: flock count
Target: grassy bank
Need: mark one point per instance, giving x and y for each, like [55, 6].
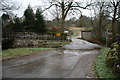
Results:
[100, 66]
[18, 52]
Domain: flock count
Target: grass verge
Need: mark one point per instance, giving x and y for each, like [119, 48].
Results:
[19, 52]
[100, 67]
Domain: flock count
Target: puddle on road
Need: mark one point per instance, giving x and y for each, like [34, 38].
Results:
[62, 64]
[81, 44]
[74, 52]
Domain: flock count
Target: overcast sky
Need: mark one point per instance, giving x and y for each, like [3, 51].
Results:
[36, 3]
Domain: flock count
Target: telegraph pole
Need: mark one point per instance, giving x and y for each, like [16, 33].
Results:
[119, 19]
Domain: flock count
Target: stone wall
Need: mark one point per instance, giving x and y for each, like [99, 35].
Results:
[29, 43]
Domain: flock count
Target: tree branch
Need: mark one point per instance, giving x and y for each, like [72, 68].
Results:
[68, 8]
[77, 5]
[50, 7]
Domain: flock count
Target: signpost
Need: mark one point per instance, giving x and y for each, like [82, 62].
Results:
[58, 34]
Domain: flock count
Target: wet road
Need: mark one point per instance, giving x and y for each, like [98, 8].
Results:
[81, 44]
[72, 61]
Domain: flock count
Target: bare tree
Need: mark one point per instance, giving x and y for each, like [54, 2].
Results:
[115, 6]
[8, 5]
[66, 6]
[56, 16]
[100, 19]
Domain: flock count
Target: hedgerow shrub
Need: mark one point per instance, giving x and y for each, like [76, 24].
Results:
[7, 43]
[113, 58]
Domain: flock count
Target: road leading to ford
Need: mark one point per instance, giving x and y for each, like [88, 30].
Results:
[71, 61]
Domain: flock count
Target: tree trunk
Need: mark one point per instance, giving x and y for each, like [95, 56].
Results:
[100, 22]
[114, 17]
[63, 19]
[62, 24]
[100, 26]
[64, 13]
[113, 22]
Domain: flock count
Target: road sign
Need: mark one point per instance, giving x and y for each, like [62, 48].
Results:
[58, 34]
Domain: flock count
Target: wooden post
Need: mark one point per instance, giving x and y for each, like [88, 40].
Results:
[106, 37]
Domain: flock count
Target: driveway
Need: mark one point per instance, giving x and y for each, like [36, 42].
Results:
[71, 61]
